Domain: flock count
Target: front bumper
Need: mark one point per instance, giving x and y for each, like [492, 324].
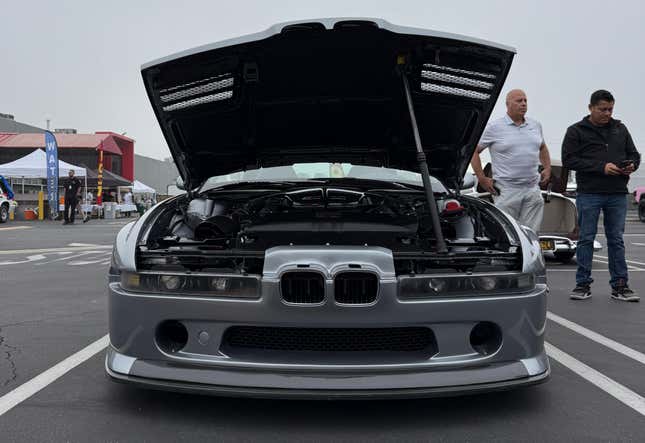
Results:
[135, 356]
[164, 376]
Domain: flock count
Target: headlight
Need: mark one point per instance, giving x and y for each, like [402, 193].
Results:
[232, 286]
[464, 285]
[437, 285]
[170, 282]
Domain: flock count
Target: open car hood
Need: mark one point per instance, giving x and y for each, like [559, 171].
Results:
[327, 90]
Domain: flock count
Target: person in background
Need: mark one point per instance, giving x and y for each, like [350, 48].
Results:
[516, 148]
[72, 189]
[79, 208]
[601, 151]
[127, 197]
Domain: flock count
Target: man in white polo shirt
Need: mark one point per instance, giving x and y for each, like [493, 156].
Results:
[516, 148]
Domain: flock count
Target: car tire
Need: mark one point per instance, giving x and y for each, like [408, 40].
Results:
[564, 257]
[641, 210]
[4, 213]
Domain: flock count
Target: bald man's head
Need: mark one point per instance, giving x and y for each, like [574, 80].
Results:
[516, 105]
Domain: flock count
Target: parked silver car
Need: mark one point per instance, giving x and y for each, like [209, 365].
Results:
[323, 249]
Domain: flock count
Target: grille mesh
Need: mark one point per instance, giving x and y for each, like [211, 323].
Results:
[450, 90]
[355, 288]
[303, 287]
[441, 80]
[459, 71]
[198, 92]
[199, 101]
[449, 78]
[409, 339]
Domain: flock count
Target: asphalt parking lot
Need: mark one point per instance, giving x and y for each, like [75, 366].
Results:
[52, 281]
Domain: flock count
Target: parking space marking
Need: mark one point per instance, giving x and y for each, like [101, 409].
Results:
[27, 389]
[72, 256]
[13, 228]
[630, 267]
[638, 244]
[28, 259]
[89, 262]
[593, 270]
[65, 248]
[600, 380]
[628, 261]
[624, 235]
[598, 338]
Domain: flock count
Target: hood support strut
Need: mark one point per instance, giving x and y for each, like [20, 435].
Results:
[423, 164]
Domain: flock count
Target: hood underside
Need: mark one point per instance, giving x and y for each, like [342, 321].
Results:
[327, 91]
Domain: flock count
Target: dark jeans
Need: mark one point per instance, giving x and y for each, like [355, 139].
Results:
[614, 209]
[70, 208]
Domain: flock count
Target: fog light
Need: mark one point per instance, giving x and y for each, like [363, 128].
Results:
[486, 338]
[219, 283]
[170, 282]
[171, 336]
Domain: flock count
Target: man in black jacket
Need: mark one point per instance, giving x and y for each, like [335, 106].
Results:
[602, 153]
[72, 187]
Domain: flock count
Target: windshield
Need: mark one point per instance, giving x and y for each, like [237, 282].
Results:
[323, 171]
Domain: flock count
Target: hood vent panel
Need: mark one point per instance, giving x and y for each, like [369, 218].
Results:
[191, 94]
[443, 78]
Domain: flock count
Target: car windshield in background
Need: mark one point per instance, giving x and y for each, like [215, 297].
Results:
[322, 171]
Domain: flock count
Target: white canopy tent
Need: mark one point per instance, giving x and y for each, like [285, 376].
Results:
[141, 188]
[34, 165]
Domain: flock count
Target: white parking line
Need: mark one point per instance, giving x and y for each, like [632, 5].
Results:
[13, 228]
[638, 244]
[610, 386]
[628, 261]
[40, 251]
[598, 338]
[630, 267]
[624, 235]
[593, 270]
[89, 262]
[28, 259]
[26, 390]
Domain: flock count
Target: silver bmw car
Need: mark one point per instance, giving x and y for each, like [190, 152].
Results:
[323, 248]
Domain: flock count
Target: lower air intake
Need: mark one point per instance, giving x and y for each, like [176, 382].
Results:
[408, 339]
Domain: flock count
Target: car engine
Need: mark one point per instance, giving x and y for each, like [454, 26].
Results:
[230, 230]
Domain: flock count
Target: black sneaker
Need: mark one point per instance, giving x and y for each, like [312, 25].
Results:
[580, 292]
[623, 293]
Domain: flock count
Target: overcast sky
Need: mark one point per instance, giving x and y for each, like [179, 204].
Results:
[77, 62]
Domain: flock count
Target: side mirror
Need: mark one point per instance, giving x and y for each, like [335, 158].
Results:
[179, 182]
[469, 181]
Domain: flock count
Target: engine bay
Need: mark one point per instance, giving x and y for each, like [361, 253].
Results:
[229, 230]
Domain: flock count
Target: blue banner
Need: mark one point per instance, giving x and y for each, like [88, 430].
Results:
[51, 149]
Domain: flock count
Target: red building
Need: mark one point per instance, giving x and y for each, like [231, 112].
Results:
[77, 149]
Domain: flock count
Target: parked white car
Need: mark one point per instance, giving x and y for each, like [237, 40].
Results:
[6, 203]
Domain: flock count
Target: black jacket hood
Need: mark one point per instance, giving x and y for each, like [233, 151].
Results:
[327, 91]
